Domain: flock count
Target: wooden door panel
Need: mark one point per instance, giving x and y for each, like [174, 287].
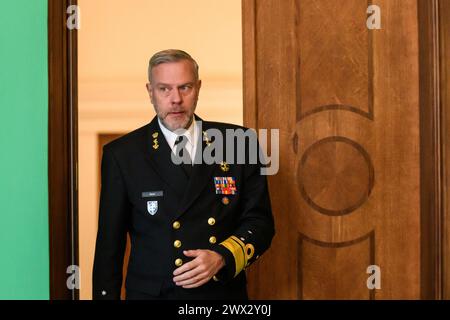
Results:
[333, 270]
[335, 53]
[346, 101]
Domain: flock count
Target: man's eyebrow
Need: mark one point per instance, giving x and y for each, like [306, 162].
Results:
[169, 85]
[186, 84]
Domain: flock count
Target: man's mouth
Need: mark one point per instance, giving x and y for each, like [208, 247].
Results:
[176, 113]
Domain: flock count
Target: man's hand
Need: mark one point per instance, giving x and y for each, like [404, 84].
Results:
[198, 271]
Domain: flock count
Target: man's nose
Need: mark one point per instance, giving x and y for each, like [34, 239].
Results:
[176, 96]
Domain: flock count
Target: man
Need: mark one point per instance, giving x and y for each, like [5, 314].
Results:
[193, 227]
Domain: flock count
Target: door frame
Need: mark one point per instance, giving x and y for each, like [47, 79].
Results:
[434, 45]
[432, 139]
[62, 149]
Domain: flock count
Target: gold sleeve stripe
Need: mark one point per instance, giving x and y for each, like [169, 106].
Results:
[242, 246]
[242, 252]
[238, 253]
[239, 241]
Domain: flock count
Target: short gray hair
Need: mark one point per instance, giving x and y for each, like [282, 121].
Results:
[171, 55]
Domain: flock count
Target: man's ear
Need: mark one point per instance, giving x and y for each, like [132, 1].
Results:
[149, 90]
[199, 85]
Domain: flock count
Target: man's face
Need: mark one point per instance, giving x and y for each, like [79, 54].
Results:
[174, 93]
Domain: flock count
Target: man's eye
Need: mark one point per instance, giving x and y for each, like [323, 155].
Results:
[164, 89]
[185, 88]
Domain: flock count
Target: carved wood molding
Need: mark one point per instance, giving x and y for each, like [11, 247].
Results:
[432, 165]
[62, 148]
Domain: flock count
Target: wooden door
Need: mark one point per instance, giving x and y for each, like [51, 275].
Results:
[346, 102]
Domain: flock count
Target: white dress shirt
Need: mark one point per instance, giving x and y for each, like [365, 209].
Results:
[192, 134]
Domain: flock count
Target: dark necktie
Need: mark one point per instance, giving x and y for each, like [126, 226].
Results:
[181, 151]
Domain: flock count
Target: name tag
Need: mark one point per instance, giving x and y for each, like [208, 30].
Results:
[149, 194]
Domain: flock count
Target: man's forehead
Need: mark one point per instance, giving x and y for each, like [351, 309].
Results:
[174, 72]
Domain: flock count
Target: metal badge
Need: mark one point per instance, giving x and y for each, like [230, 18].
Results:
[155, 141]
[152, 207]
[224, 166]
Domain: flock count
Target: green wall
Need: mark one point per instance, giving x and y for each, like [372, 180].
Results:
[24, 253]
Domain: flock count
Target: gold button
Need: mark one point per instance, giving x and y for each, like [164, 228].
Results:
[212, 240]
[178, 262]
[176, 225]
[177, 243]
[211, 221]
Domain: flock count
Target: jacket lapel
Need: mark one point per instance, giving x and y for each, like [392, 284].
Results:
[200, 177]
[159, 156]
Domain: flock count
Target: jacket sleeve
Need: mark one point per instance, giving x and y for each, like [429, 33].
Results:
[112, 231]
[255, 229]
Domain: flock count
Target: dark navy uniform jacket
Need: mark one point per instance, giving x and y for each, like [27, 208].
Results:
[165, 212]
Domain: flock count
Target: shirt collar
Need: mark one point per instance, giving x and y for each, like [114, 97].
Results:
[172, 136]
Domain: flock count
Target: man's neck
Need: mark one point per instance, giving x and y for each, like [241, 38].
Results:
[189, 127]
